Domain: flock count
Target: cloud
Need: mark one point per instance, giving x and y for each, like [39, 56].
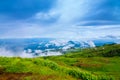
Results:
[59, 19]
[23, 54]
[15, 9]
[77, 11]
[73, 10]
[46, 17]
[22, 30]
[8, 53]
[70, 11]
[86, 32]
[82, 12]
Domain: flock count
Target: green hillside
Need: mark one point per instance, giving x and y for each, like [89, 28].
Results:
[100, 63]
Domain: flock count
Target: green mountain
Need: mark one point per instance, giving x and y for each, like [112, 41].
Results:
[100, 63]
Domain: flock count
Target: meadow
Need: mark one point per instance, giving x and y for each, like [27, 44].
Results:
[99, 63]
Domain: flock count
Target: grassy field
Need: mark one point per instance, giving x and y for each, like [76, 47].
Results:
[100, 63]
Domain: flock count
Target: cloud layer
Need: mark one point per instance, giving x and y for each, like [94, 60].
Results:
[53, 18]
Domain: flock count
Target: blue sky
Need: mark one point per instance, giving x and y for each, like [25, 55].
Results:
[53, 18]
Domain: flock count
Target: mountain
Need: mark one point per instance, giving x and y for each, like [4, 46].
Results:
[99, 63]
[44, 46]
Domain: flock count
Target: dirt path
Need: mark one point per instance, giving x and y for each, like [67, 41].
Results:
[14, 76]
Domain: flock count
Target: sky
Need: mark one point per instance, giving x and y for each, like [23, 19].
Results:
[76, 19]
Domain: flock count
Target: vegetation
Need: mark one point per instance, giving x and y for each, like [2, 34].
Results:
[100, 63]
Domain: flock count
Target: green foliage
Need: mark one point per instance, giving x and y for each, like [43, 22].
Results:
[104, 51]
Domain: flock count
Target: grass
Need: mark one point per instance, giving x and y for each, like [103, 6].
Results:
[101, 63]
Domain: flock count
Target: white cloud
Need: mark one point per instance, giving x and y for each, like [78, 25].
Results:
[7, 53]
[46, 15]
[72, 10]
[68, 12]
[85, 32]
[4, 52]
[23, 30]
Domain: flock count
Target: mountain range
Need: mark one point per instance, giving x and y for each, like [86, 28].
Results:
[46, 46]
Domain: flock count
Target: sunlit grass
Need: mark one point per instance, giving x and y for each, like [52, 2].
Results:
[88, 64]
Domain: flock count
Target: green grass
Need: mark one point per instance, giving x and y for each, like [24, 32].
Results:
[101, 63]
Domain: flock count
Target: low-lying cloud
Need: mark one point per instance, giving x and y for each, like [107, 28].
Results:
[23, 54]
[8, 53]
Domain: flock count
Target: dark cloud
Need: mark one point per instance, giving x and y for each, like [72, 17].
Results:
[98, 23]
[21, 9]
[108, 10]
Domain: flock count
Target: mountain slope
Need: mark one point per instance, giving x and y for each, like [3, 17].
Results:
[85, 64]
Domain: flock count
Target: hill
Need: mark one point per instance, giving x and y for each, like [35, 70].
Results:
[99, 63]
